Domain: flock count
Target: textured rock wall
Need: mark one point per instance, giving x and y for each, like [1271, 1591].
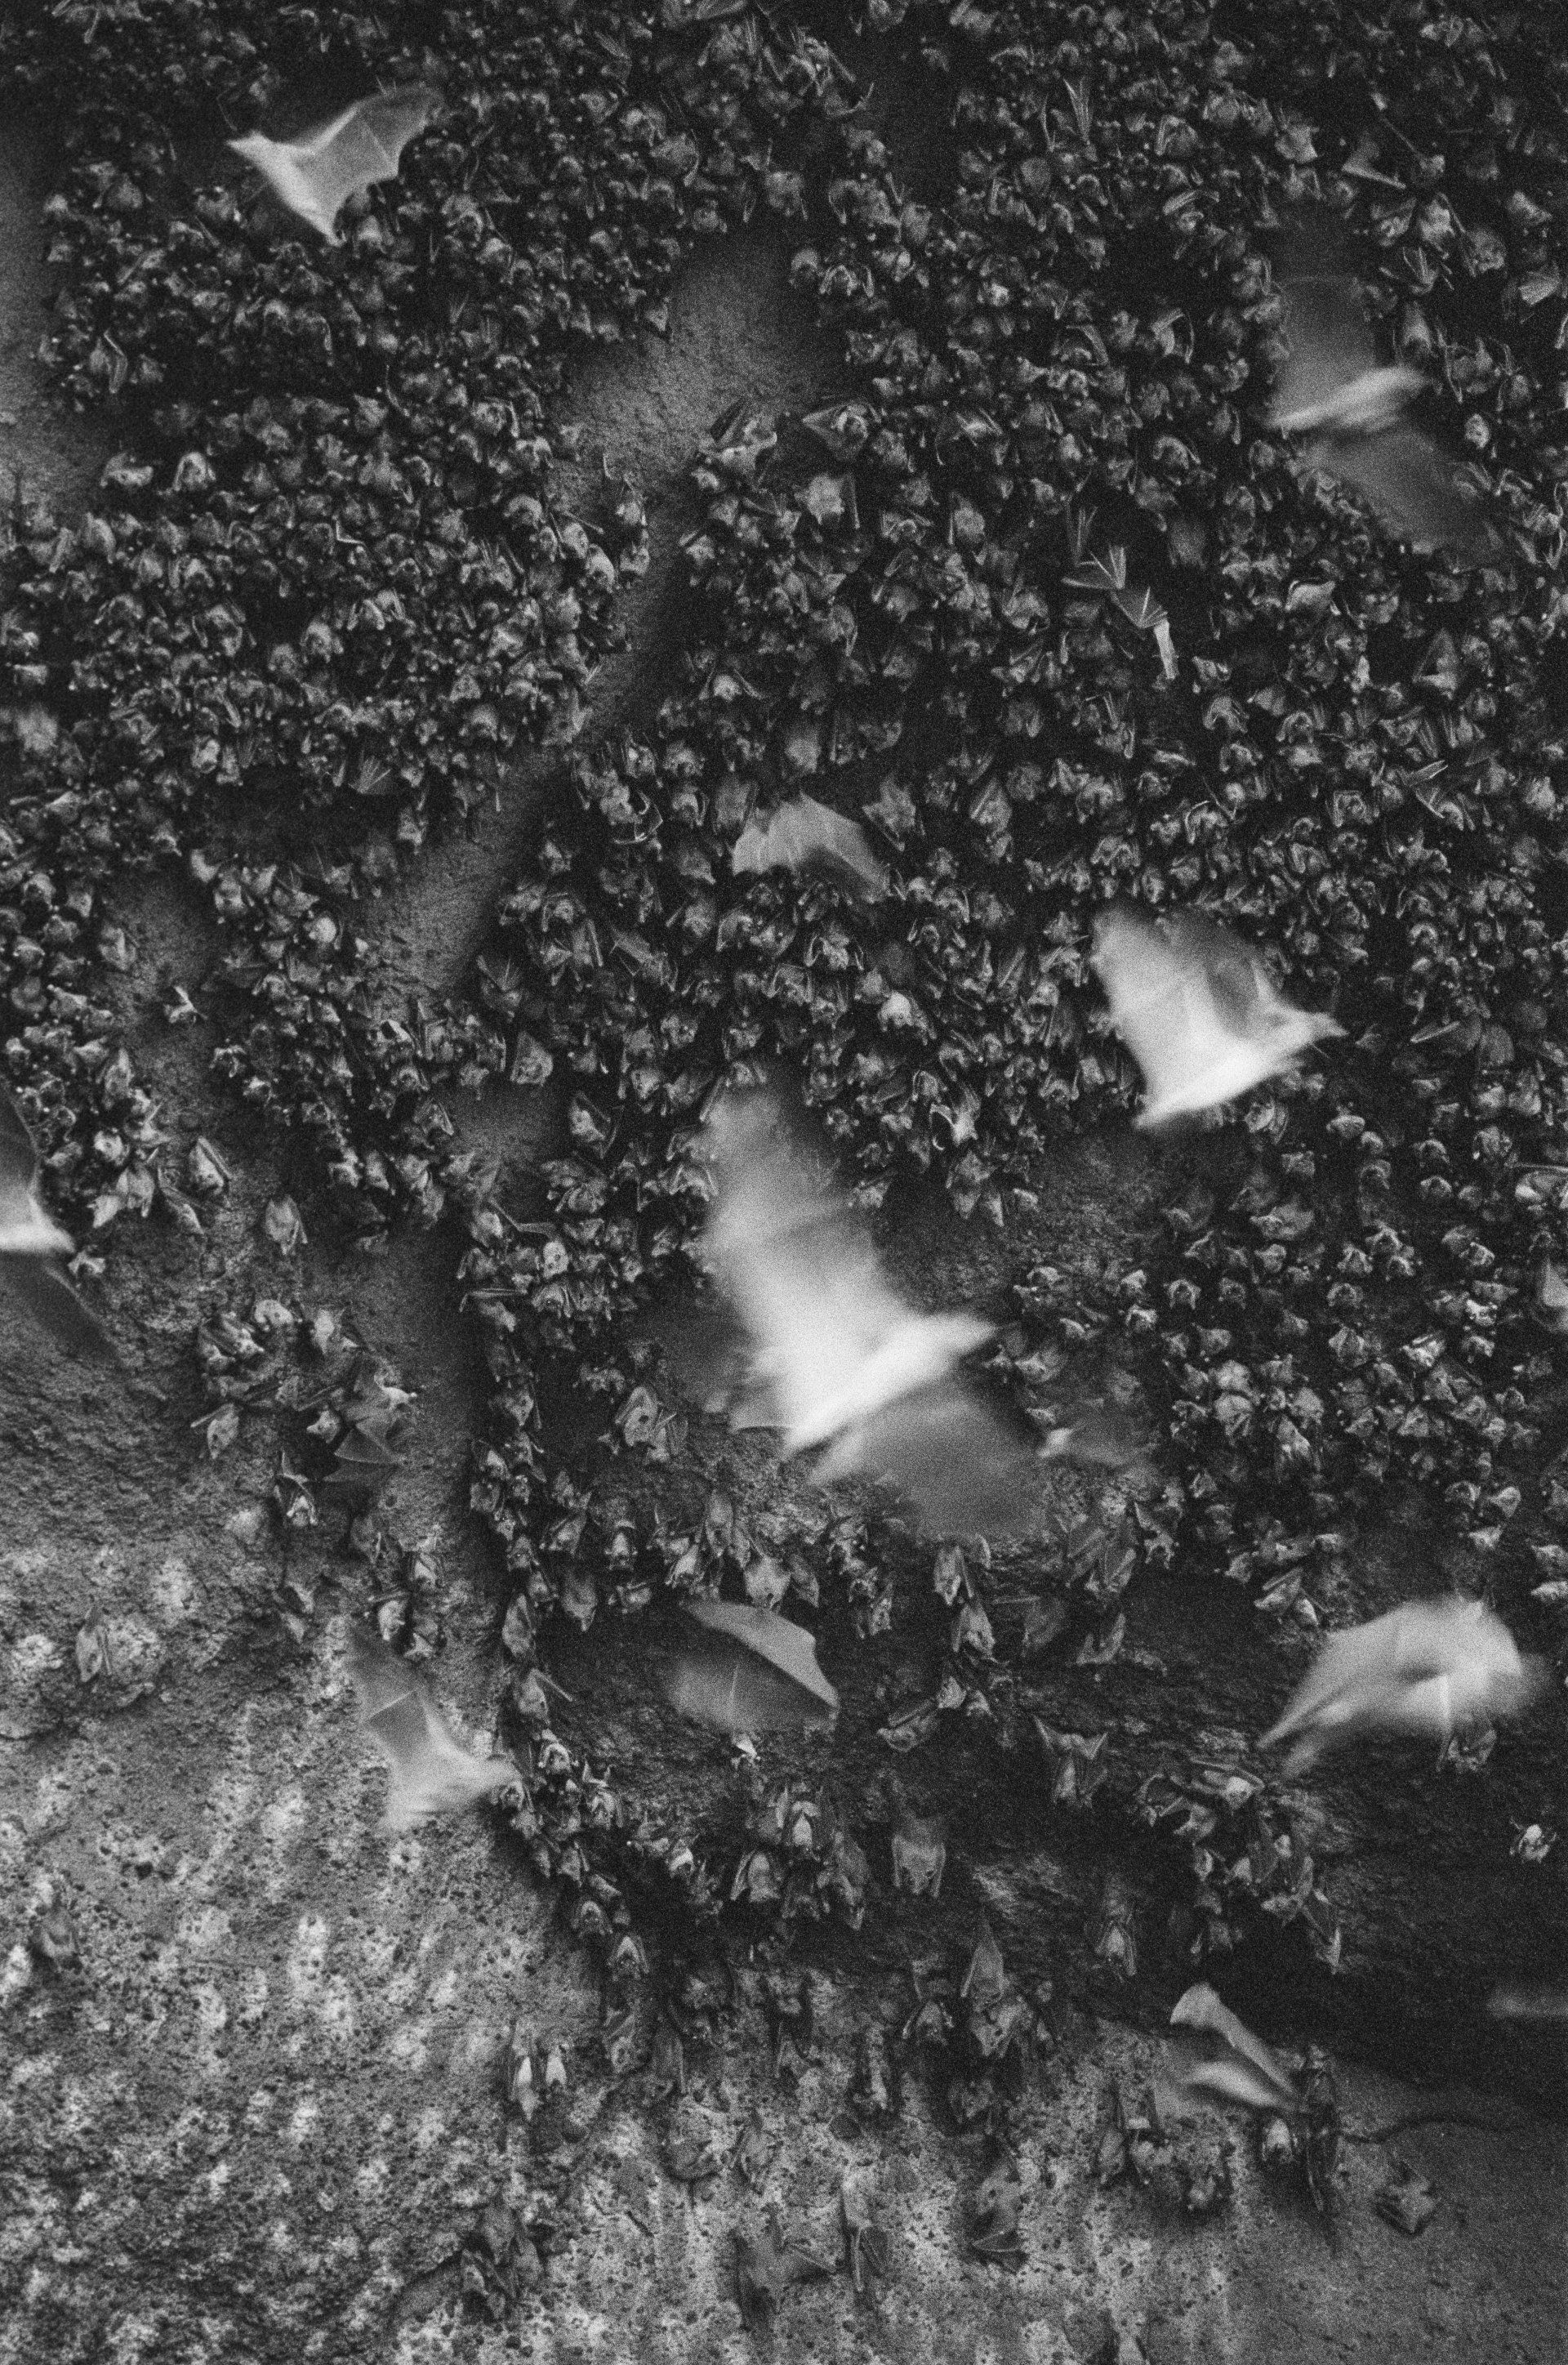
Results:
[251, 2106]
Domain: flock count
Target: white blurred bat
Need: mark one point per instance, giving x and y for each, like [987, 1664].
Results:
[1332, 389]
[31, 1245]
[750, 1672]
[806, 835]
[316, 175]
[432, 1773]
[1198, 1011]
[839, 1360]
[1213, 2056]
[1428, 1668]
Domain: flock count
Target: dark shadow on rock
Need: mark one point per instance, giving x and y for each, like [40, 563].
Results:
[47, 452]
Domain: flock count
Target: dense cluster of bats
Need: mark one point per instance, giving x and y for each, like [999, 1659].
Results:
[824, 1349]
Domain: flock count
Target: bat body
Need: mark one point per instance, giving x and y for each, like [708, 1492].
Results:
[1427, 1668]
[316, 175]
[431, 1774]
[838, 1359]
[1332, 389]
[806, 835]
[1198, 1011]
[31, 1244]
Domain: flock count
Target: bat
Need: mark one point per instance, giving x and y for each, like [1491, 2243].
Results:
[31, 1245]
[1549, 1304]
[919, 1845]
[316, 175]
[753, 1672]
[1514, 2001]
[1332, 389]
[1102, 1438]
[1198, 1011]
[1426, 1668]
[806, 835]
[1214, 2057]
[433, 1773]
[838, 1361]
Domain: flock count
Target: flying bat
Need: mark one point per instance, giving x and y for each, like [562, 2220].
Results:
[1198, 1011]
[31, 1245]
[433, 1773]
[751, 1671]
[805, 836]
[1332, 389]
[316, 175]
[1211, 2056]
[1427, 1667]
[838, 1361]
[1514, 2000]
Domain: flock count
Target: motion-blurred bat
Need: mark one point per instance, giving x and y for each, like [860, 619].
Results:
[1198, 1011]
[1211, 2056]
[1100, 1438]
[1332, 389]
[839, 1361]
[1513, 2001]
[31, 1245]
[316, 175]
[805, 836]
[1428, 1668]
[749, 1671]
[432, 1773]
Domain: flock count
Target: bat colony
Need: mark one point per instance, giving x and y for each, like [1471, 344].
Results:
[851, 1374]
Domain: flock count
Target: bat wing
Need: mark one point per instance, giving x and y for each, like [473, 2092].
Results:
[316, 174]
[39, 1284]
[950, 1455]
[25, 1230]
[752, 1671]
[1330, 342]
[1412, 484]
[431, 1774]
[806, 835]
[18, 1158]
[1189, 1035]
[802, 1275]
[1235, 978]
[1218, 2055]
[1422, 1667]
[1355, 1669]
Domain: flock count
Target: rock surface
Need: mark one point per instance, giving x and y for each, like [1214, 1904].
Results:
[258, 2115]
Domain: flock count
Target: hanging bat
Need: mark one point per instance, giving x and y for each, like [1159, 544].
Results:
[432, 1773]
[1549, 1302]
[1198, 1011]
[805, 836]
[1427, 1667]
[1332, 389]
[316, 175]
[838, 1361]
[31, 1245]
